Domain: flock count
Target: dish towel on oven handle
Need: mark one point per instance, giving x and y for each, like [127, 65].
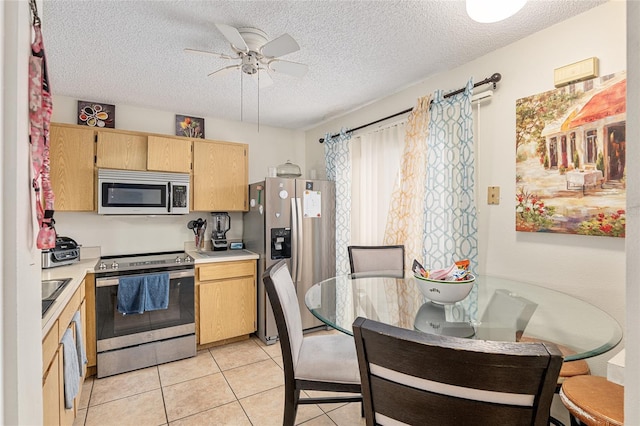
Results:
[80, 350]
[131, 295]
[143, 293]
[70, 368]
[156, 295]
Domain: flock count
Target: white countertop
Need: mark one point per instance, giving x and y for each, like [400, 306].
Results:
[76, 272]
[221, 256]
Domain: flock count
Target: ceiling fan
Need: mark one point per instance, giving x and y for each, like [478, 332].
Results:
[258, 56]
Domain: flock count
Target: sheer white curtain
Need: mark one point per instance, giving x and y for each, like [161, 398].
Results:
[375, 163]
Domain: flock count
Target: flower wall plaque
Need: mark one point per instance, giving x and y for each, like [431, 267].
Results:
[96, 114]
[192, 127]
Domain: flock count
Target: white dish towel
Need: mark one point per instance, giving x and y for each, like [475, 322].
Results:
[82, 355]
[70, 367]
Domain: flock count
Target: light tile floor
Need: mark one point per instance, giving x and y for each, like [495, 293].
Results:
[236, 384]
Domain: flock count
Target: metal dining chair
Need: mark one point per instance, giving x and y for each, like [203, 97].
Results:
[415, 378]
[325, 362]
[374, 260]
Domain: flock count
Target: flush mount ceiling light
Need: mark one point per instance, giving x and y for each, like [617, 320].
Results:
[487, 11]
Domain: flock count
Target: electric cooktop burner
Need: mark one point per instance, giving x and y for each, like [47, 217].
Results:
[144, 261]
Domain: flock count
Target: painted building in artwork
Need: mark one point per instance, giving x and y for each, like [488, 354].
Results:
[592, 134]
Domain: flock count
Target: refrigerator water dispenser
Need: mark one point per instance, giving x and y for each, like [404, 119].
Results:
[280, 243]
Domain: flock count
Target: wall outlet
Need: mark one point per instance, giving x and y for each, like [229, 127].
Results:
[493, 195]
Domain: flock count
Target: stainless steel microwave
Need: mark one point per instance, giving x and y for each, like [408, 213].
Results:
[134, 192]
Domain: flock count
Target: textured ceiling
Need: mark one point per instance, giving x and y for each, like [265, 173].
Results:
[131, 52]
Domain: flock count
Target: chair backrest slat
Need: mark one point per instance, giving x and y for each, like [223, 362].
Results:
[419, 378]
[369, 259]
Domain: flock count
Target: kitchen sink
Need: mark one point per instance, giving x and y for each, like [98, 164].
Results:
[51, 289]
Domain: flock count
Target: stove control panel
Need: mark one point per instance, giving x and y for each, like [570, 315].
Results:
[143, 261]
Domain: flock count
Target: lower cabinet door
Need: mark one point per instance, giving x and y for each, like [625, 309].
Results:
[227, 309]
[51, 393]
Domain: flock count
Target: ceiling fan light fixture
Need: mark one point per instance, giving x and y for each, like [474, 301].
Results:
[250, 63]
[488, 11]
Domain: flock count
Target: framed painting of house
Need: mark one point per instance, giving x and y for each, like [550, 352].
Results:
[192, 127]
[570, 159]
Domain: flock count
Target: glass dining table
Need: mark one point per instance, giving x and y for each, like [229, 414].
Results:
[496, 309]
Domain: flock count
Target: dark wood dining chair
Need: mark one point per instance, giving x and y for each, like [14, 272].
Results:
[373, 260]
[424, 379]
[326, 362]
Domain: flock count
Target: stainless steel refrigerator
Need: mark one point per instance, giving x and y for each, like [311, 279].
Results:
[291, 219]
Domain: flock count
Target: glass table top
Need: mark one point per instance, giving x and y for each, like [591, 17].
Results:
[496, 309]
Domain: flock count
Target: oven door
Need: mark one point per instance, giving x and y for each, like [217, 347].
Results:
[115, 330]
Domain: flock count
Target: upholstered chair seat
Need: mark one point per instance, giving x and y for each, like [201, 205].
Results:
[328, 358]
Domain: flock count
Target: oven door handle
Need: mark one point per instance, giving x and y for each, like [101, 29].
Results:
[111, 281]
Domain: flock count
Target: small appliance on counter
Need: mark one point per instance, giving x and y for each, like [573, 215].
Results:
[221, 224]
[66, 252]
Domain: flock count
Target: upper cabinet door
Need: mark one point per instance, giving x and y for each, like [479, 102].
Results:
[165, 154]
[121, 151]
[220, 176]
[71, 153]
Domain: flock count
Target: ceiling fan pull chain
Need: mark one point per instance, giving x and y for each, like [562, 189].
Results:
[258, 101]
[241, 99]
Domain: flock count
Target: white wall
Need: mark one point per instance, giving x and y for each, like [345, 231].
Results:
[21, 342]
[632, 350]
[591, 268]
[268, 147]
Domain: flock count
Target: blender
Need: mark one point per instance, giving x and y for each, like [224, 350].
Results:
[221, 224]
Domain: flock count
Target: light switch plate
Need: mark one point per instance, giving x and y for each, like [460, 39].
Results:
[493, 195]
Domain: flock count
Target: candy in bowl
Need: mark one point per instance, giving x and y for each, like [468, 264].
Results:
[445, 292]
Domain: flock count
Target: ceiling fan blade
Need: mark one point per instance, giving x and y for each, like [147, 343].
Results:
[204, 52]
[233, 36]
[264, 80]
[286, 67]
[224, 70]
[280, 46]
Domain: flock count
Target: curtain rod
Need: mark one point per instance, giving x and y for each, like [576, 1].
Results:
[493, 79]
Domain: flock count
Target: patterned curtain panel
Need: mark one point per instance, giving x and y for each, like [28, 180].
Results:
[405, 223]
[337, 153]
[450, 219]
[449, 212]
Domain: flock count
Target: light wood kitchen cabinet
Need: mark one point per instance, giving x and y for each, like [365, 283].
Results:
[167, 154]
[90, 329]
[54, 410]
[121, 150]
[226, 300]
[220, 176]
[51, 377]
[71, 157]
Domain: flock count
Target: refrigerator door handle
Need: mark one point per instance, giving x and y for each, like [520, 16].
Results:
[299, 240]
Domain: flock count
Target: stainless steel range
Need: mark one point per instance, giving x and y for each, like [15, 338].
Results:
[152, 335]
